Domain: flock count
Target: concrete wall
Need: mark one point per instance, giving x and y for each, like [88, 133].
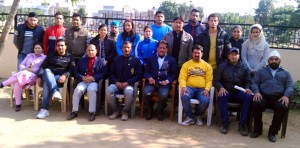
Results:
[8, 60]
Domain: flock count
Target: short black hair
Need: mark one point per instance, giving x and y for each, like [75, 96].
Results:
[77, 15]
[126, 42]
[61, 40]
[162, 42]
[58, 13]
[38, 43]
[197, 47]
[159, 12]
[213, 15]
[195, 10]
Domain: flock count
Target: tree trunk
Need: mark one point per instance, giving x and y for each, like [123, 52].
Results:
[8, 24]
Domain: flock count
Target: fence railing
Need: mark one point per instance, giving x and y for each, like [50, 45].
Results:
[283, 37]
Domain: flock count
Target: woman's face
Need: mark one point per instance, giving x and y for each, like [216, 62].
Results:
[148, 33]
[38, 50]
[127, 26]
[255, 33]
[102, 32]
[236, 33]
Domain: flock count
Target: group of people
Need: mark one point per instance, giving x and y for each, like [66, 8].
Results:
[199, 56]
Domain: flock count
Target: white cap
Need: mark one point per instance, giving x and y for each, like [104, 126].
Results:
[274, 53]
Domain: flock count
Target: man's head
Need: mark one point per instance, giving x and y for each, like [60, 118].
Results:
[233, 55]
[114, 26]
[195, 16]
[126, 48]
[197, 53]
[61, 46]
[213, 21]
[159, 17]
[32, 20]
[178, 24]
[274, 59]
[162, 48]
[76, 20]
[59, 18]
[91, 51]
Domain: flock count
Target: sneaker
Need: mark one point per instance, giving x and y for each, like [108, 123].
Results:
[72, 115]
[188, 121]
[42, 114]
[92, 116]
[199, 121]
[224, 129]
[124, 116]
[113, 116]
[243, 130]
[56, 95]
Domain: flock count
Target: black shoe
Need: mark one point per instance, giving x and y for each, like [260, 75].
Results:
[243, 130]
[1, 85]
[160, 116]
[224, 129]
[92, 116]
[272, 138]
[18, 108]
[72, 115]
[255, 134]
[149, 115]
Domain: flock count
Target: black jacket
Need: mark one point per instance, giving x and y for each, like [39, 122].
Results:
[228, 75]
[223, 45]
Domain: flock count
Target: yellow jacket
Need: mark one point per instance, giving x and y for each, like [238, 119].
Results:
[196, 75]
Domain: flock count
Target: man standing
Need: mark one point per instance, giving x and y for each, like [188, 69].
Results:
[114, 30]
[89, 70]
[195, 81]
[124, 72]
[230, 73]
[26, 35]
[272, 86]
[180, 42]
[53, 33]
[55, 69]
[77, 37]
[194, 26]
[215, 42]
[160, 72]
[159, 28]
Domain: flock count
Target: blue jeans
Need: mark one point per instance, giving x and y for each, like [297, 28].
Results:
[21, 57]
[194, 93]
[240, 97]
[113, 102]
[49, 87]
[163, 93]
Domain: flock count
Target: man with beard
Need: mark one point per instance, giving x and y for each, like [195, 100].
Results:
[272, 87]
[77, 38]
[194, 26]
[215, 42]
[26, 35]
[114, 31]
[195, 81]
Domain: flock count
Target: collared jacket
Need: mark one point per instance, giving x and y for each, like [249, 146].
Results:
[38, 33]
[133, 70]
[229, 75]
[58, 64]
[279, 85]
[222, 44]
[186, 46]
[146, 48]
[109, 48]
[99, 68]
[51, 35]
[77, 41]
[168, 70]
[196, 29]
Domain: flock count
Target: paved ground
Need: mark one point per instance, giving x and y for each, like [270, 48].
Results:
[22, 129]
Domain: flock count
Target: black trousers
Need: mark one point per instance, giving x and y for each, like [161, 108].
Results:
[268, 102]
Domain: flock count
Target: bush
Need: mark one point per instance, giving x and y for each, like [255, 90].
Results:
[296, 96]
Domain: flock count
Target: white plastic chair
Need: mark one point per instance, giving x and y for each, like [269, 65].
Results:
[194, 101]
[121, 96]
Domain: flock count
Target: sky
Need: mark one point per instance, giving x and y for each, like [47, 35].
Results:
[237, 6]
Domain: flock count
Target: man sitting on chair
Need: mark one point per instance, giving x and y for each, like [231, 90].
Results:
[89, 70]
[195, 81]
[124, 72]
[272, 87]
[159, 73]
[230, 73]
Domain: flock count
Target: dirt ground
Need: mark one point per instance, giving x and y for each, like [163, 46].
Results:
[23, 130]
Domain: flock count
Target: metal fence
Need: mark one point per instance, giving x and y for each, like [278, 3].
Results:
[283, 37]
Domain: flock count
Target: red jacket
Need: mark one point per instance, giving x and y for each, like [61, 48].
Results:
[51, 35]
